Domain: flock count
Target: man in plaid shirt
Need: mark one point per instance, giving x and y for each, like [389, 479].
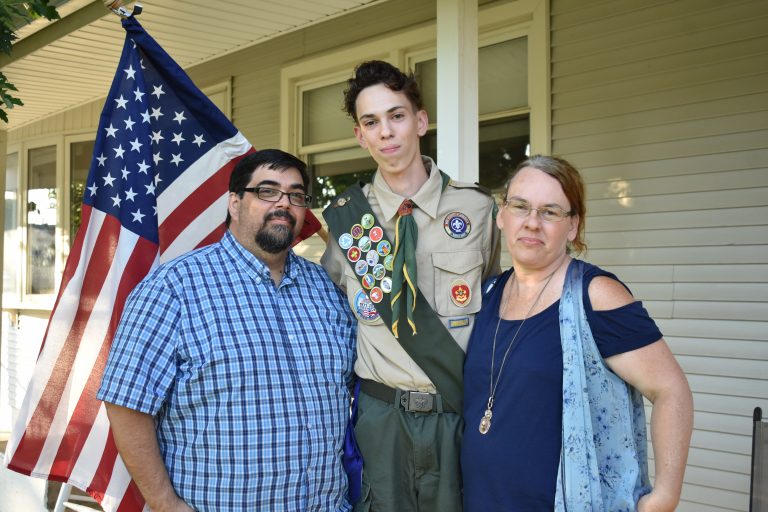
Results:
[226, 387]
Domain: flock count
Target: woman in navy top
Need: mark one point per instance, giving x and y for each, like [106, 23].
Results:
[513, 375]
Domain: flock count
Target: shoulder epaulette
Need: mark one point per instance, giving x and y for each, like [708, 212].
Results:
[461, 184]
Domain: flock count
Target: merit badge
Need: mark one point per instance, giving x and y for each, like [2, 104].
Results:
[376, 294]
[386, 284]
[354, 253]
[376, 234]
[460, 294]
[356, 231]
[364, 244]
[364, 308]
[378, 271]
[361, 267]
[367, 281]
[384, 247]
[367, 221]
[457, 225]
[346, 241]
[372, 258]
[389, 261]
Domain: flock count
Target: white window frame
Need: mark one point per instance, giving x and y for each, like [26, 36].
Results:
[497, 23]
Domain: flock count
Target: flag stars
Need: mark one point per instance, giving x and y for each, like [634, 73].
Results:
[145, 116]
[199, 140]
[111, 130]
[121, 102]
[138, 95]
[176, 159]
[177, 138]
[157, 90]
[92, 189]
[137, 216]
[119, 151]
[150, 188]
[157, 158]
[130, 72]
[135, 145]
[179, 117]
[129, 123]
[130, 194]
[156, 113]
[108, 179]
[116, 200]
[157, 179]
[125, 172]
[101, 160]
[156, 137]
[143, 167]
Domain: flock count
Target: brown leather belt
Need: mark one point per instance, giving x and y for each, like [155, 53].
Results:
[412, 401]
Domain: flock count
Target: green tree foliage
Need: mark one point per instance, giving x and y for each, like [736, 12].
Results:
[14, 14]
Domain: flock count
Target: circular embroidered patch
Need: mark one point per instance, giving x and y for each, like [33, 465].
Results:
[364, 244]
[367, 281]
[378, 271]
[389, 262]
[361, 267]
[376, 234]
[356, 231]
[457, 225]
[365, 311]
[384, 247]
[460, 293]
[386, 284]
[367, 221]
[346, 241]
[354, 253]
[376, 294]
[372, 257]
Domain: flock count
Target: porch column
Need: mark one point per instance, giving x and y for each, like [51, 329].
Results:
[457, 132]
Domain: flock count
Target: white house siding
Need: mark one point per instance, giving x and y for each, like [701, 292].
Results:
[663, 105]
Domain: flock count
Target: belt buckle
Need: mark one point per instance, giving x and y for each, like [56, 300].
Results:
[419, 401]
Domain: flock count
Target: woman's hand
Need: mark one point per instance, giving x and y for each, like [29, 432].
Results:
[656, 502]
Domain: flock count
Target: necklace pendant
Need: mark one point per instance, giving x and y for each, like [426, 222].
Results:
[485, 423]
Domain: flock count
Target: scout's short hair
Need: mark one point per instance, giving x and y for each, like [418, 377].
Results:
[374, 72]
[273, 159]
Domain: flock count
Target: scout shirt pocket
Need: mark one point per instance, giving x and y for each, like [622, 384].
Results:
[457, 282]
[362, 307]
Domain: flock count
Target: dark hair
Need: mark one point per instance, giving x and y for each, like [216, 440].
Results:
[273, 159]
[374, 72]
[572, 185]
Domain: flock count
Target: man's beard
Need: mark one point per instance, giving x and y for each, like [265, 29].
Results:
[275, 239]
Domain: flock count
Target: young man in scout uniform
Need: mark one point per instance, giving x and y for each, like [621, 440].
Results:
[410, 249]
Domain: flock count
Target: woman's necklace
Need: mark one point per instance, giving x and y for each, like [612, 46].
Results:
[485, 423]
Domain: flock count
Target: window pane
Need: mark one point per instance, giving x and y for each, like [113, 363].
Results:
[334, 171]
[41, 220]
[11, 240]
[503, 145]
[323, 117]
[80, 159]
[502, 82]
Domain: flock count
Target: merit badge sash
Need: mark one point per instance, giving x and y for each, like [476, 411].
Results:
[367, 249]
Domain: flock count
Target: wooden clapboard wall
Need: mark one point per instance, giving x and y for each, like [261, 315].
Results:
[663, 105]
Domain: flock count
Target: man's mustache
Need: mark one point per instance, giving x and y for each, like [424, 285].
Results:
[282, 214]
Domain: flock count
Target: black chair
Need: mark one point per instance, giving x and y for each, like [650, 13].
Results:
[758, 486]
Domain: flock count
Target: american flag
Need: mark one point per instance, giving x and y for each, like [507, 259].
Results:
[157, 187]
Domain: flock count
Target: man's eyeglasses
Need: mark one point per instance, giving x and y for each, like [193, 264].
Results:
[273, 195]
[522, 209]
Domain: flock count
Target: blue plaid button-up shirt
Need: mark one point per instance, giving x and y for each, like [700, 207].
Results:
[247, 380]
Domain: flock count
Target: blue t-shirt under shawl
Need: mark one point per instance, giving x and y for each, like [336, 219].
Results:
[247, 380]
[514, 466]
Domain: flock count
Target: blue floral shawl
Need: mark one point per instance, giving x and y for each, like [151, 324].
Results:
[603, 455]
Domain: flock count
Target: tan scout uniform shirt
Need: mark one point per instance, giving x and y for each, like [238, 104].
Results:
[443, 261]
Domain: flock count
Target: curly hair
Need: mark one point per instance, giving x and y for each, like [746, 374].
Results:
[374, 72]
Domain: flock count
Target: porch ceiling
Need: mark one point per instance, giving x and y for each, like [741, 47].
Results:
[59, 65]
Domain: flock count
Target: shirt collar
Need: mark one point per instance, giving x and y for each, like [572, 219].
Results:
[426, 198]
[253, 266]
